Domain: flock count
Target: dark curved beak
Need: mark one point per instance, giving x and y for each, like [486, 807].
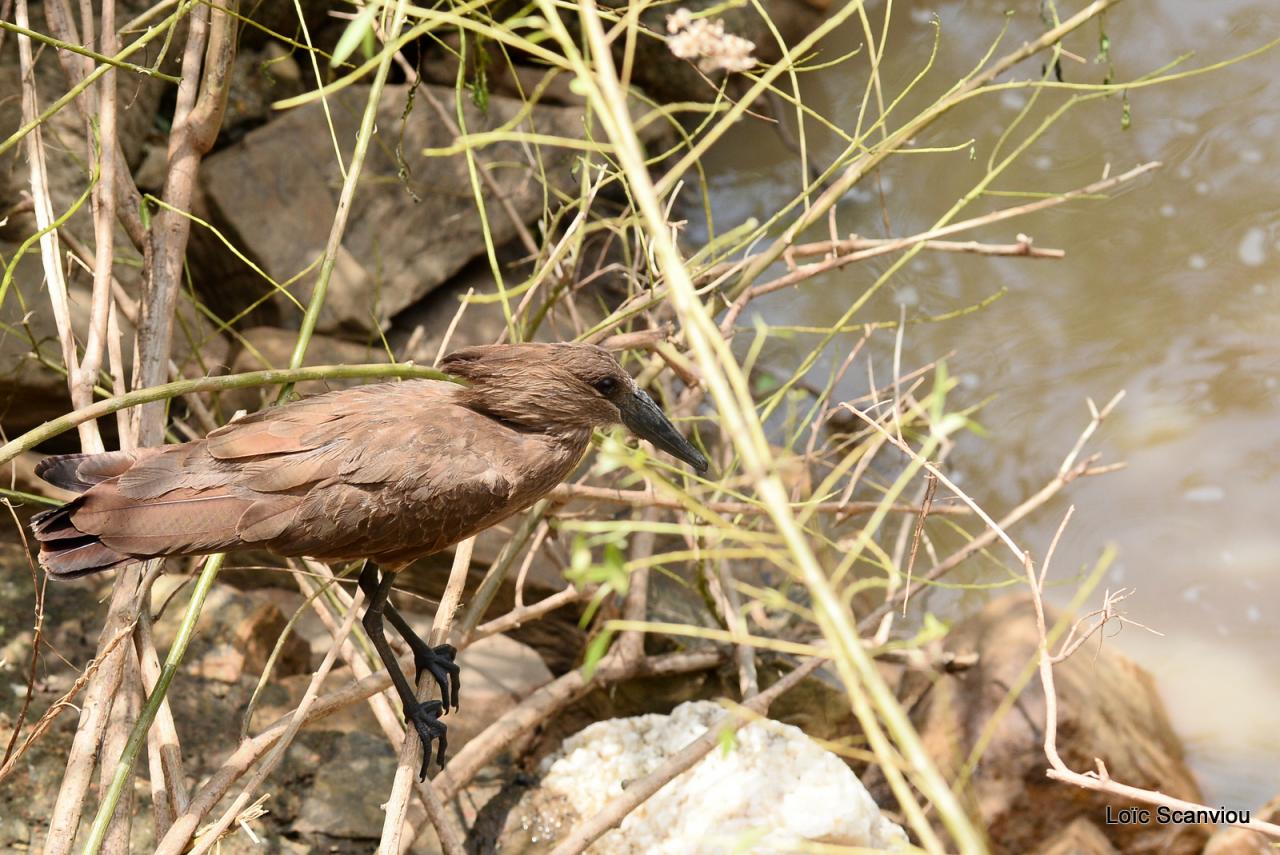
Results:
[646, 420]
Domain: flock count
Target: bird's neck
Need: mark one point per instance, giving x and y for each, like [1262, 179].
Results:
[526, 411]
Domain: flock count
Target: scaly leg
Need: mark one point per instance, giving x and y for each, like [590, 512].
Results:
[423, 715]
[437, 661]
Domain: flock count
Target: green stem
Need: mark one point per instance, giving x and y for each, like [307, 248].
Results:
[271, 377]
[19, 496]
[137, 736]
[84, 51]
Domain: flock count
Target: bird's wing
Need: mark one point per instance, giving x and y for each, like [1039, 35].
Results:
[406, 484]
[362, 472]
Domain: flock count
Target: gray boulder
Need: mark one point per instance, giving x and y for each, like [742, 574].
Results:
[413, 222]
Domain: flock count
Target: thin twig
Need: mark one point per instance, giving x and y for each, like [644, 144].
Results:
[930, 489]
[517, 617]
[885, 246]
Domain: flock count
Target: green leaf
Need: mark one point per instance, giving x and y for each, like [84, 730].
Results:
[976, 428]
[728, 739]
[593, 606]
[595, 652]
[360, 28]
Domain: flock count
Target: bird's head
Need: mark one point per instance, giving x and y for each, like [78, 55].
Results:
[563, 387]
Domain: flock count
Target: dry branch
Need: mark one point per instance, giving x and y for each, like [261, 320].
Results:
[1023, 247]
[1098, 780]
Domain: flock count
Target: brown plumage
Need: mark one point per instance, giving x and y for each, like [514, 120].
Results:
[389, 472]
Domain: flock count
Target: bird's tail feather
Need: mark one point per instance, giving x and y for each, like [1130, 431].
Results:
[65, 551]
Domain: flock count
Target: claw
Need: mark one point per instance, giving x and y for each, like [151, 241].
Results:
[438, 662]
[425, 718]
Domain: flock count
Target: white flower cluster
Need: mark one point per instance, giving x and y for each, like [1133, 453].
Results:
[708, 43]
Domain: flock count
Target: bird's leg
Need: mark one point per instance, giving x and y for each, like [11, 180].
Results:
[423, 715]
[436, 661]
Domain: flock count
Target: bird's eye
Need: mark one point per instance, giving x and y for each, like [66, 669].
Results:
[606, 385]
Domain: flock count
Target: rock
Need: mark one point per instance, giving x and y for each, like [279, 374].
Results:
[1081, 837]
[1240, 841]
[772, 786]
[235, 635]
[15, 834]
[351, 781]
[419, 330]
[256, 638]
[1108, 708]
[259, 77]
[412, 225]
[497, 673]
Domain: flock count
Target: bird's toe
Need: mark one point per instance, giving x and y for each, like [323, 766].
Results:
[425, 718]
[438, 662]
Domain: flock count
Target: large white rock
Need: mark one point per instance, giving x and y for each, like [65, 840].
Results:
[772, 787]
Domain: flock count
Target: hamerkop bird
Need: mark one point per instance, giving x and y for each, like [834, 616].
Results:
[389, 472]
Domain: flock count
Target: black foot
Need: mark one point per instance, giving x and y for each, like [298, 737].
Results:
[438, 662]
[425, 718]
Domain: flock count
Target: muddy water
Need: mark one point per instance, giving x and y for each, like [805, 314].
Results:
[1170, 291]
